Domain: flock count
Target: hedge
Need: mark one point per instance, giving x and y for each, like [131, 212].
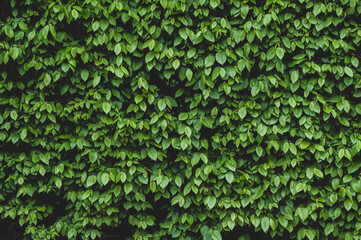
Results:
[180, 119]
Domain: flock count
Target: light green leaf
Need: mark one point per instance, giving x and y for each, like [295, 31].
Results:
[84, 74]
[349, 71]
[280, 52]
[189, 74]
[105, 178]
[265, 224]
[162, 104]
[267, 19]
[152, 153]
[176, 64]
[91, 180]
[14, 115]
[221, 57]
[107, 107]
[128, 187]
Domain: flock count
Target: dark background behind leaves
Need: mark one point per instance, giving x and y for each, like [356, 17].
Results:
[180, 119]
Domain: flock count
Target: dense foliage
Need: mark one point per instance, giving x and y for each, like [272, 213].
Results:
[180, 119]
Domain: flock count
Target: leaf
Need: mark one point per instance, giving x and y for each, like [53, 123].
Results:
[84, 74]
[178, 181]
[189, 74]
[216, 235]
[117, 49]
[229, 177]
[91, 180]
[303, 214]
[204, 158]
[164, 3]
[348, 204]
[188, 131]
[267, 19]
[176, 64]
[209, 36]
[152, 153]
[107, 107]
[209, 61]
[280, 52]
[294, 76]
[95, 26]
[14, 115]
[318, 172]
[23, 134]
[356, 186]
[128, 187]
[212, 202]
[105, 178]
[162, 104]
[349, 71]
[265, 223]
[242, 112]
[221, 57]
[74, 13]
[355, 62]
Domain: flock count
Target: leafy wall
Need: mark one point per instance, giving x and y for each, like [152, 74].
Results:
[180, 119]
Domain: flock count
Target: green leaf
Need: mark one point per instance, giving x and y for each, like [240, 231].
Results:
[267, 19]
[176, 64]
[107, 107]
[355, 62]
[14, 115]
[318, 172]
[209, 61]
[280, 52]
[229, 177]
[162, 104]
[152, 153]
[216, 235]
[209, 36]
[117, 49]
[128, 187]
[221, 57]
[95, 26]
[188, 131]
[294, 76]
[178, 181]
[348, 204]
[242, 112]
[105, 178]
[204, 158]
[349, 71]
[23, 134]
[84, 74]
[91, 180]
[74, 13]
[265, 223]
[356, 186]
[303, 213]
[211, 202]
[164, 3]
[189, 74]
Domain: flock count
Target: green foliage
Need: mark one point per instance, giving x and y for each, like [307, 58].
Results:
[184, 119]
